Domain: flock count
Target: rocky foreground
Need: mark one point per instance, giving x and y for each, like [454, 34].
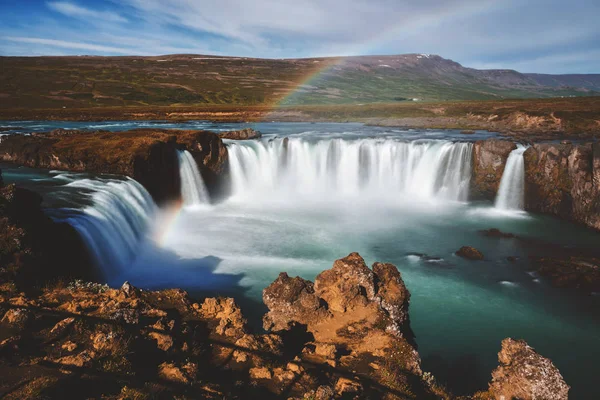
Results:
[347, 335]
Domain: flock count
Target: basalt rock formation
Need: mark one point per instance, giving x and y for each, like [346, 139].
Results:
[243, 134]
[148, 156]
[564, 180]
[489, 160]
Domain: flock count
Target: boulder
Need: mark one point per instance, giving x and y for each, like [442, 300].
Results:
[470, 253]
[489, 160]
[350, 307]
[526, 375]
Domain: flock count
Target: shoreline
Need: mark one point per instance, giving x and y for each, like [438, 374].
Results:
[533, 120]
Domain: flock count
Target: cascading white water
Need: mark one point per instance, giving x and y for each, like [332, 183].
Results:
[332, 168]
[193, 189]
[115, 224]
[511, 194]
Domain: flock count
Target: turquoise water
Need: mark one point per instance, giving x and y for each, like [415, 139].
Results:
[460, 310]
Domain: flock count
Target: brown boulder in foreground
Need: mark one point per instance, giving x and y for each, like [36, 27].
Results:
[526, 375]
[351, 307]
[470, 253]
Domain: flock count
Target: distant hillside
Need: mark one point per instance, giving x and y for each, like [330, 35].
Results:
[87, 81]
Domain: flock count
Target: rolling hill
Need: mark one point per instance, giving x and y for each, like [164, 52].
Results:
[91, 81]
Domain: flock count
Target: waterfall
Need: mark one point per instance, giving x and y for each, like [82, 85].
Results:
[193, 190]
[342, 168]
[511, 194]
[115, 223]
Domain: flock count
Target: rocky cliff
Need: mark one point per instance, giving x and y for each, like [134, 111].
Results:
[488, 162]
[564, 180]
[148, 156]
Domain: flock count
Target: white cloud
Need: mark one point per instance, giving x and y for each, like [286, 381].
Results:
[473, 32]
[69, 45]
[76, 11]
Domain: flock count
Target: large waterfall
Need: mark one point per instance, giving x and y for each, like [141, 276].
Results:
[334, 168]
[115, 223]
[193, 190]
[511, 194]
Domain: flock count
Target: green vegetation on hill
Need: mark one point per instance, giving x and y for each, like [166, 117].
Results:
[186, 80]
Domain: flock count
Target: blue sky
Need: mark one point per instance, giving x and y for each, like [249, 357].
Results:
[547, 36]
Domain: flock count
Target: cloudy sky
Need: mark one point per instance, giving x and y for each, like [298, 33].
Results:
[551, 36]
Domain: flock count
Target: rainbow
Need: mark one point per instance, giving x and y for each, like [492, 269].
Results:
[325, 65]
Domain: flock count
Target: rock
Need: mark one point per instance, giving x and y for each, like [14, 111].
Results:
[467, 132]
[102, 341]
[563, 180]
[349, 306]
[260, 373]
[579, 272]
[345, 386]
[294, 367]
[62, 326]
[282, 375]
[489, 160]
[83, 359]
[69, 346]
[173, 373]
[470, 253]
[257, 346]
[146, 155]
[526, 375]
[163, 341]
[496, 233]
[10, 343]
[243, 134]
[227, 314]
[325, 350]
[16, 317]
[291, 300]
[324, 392]
[129, 289]
[393, 293]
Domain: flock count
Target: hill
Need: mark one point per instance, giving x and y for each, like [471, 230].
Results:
[90, 81]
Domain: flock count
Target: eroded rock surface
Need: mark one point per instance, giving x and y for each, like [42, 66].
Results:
[526, 375]
[146, 155]
[243, 134]
[564, 180]
[489, 160]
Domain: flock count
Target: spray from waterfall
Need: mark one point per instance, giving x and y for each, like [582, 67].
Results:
[344, 168]
[193, 189]
[116, 222]
[511, 194]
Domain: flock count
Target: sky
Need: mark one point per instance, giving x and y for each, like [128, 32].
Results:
[545, 36]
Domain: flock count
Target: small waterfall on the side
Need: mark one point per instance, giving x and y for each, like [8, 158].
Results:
[341, 168]
[193, 189]
[511, 194]
[116, 222]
